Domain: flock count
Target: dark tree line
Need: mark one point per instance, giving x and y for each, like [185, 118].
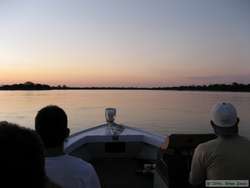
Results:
[214, 87]
[26, 86]
[235, 87]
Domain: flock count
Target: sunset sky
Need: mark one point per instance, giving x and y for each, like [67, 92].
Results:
[125, 42]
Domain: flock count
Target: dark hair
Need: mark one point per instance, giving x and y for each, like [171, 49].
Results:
[51, 124]
[226, 131]
[22, 157]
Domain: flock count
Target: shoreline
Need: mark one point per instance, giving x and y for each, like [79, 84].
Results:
[128, 89]
[30, 86]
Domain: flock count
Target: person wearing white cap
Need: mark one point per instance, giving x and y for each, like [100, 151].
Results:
[225, 158]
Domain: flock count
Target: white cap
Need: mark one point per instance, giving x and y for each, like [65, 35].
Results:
[224, 115]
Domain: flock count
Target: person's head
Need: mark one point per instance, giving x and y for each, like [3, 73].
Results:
[51, 124]
[224, 119]
[22, 157]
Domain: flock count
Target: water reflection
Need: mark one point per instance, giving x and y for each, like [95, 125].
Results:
[164, 112]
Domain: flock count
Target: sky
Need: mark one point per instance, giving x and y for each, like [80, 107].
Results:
[125, 42]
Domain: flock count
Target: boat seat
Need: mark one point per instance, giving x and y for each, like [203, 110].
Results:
[178, 156]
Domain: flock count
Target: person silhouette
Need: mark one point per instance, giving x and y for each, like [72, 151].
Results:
[51, 123]
[228, 156]
[22, 159]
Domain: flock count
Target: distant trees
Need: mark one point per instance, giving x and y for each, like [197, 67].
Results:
[235, 87]
[26, 86]
[216, 87]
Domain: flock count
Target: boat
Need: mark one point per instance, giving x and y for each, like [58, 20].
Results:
[124, 156]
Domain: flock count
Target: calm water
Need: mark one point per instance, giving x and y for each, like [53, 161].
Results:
[164, 112]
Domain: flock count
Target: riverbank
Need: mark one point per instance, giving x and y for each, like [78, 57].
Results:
[234, 87]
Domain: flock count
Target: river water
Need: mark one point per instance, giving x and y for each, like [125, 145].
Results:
[163, 112]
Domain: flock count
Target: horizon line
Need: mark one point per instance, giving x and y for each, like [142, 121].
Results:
[147, 87]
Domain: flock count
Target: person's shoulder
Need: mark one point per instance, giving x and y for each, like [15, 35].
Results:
[69, 161]
[244, 138]
[207, 146]
[209, 143]
[76, 160]
[78, 163]
[243, 141]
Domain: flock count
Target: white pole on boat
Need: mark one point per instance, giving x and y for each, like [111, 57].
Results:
[112, 128]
